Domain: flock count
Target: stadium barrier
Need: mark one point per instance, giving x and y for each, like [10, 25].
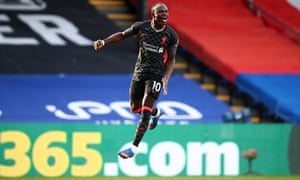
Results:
[84, 150]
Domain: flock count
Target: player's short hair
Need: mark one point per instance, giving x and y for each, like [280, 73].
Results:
[155, 6]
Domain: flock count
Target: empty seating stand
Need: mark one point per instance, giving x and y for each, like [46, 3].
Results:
[237, 44]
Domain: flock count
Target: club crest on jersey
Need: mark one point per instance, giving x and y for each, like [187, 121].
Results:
[163, 40]
[144, 34]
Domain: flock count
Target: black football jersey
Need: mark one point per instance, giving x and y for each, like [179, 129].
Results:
[154, 47]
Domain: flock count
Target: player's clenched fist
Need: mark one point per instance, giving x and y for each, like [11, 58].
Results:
[98, 44]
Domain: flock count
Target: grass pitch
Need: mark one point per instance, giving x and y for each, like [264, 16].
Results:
[162, 178]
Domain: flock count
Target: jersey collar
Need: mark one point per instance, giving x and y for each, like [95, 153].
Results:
[157, 30]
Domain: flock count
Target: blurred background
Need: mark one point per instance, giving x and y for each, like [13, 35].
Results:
[233, 102]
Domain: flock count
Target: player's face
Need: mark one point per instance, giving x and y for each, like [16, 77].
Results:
[161, 15]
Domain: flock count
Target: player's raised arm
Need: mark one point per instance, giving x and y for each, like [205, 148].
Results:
[116, 37]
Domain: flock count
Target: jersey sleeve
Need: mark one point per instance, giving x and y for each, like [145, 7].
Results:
[132, 30]
[173, 43]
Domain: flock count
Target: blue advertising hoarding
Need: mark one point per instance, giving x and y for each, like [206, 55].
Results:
[100, 100]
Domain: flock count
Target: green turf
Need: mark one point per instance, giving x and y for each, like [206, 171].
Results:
[164, 178]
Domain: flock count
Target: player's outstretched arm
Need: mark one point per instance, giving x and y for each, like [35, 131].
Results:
[116, 37]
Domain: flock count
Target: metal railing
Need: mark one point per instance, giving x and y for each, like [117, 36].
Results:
[287, 29]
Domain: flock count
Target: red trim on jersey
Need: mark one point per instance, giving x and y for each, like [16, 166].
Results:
[165, 57]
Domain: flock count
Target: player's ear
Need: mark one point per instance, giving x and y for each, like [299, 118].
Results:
[153, 12]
